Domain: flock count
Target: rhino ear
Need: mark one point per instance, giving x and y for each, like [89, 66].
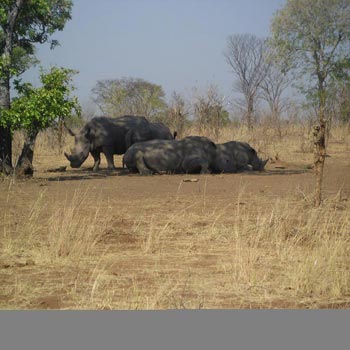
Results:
[87, 133]
[70, 131]
[263, 163]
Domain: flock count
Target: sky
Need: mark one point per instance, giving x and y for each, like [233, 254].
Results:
[177, 44]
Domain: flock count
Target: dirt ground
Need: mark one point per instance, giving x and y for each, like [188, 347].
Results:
[164, 242]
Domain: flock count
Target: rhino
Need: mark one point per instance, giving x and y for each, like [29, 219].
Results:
[235, 156]
[157, 130]
[193, 154]
[109, 136]
[161, 131]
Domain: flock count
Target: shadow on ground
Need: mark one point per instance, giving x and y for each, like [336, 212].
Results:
[88, 174]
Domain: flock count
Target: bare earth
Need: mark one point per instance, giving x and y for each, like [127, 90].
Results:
[162, 242]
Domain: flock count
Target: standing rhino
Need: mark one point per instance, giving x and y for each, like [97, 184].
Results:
[234, 156]
[109, 136]
[193, 154]
[161, 131]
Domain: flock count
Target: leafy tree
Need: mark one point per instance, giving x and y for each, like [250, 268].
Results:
[38, 108]
[312, 39]
[23, 23]
[130, 96]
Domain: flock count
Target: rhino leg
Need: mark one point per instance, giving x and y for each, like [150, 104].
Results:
[195, 165]
[108, 152]
[141, 165]
[97, 159]
[142, 168]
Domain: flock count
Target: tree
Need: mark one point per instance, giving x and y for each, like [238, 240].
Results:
[272, 88]
[130, 96]
[23, 23]
[37, 108]
[312, 38]
[245, 54]
[209, 111]
[177, 114]
[339, 100]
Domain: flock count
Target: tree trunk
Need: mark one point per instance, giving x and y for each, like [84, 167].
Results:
[5, 151]
[276, 120]
[250, 111]
[319, 159]
[24, 166]
[5, 131]
[320, 145]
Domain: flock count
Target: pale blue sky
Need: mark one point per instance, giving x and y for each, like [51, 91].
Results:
[177, 44]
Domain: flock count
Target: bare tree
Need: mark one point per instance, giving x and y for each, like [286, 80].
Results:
[272, 88]
[177, 113]
[210, 112]
[245, 54]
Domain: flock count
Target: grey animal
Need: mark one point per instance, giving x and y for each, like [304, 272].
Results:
[161, 131]
[109, 136]
[193, 154]
[157, 131]
[235, 156]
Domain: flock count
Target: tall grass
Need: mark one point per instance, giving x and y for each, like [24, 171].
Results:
[71, 234]
[187, 252]
[68, 229]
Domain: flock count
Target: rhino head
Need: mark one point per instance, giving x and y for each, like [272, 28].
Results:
[259, 164]
[81, 148]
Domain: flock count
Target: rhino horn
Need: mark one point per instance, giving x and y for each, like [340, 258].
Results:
[67, 156]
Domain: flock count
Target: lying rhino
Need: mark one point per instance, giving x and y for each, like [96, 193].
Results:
[234, 156]
[193, 154]
[109, 136]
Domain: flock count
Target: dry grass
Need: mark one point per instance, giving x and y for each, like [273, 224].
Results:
[71, 245]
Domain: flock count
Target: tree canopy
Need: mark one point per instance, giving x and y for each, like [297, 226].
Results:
[134, 96]
[37, 108]
[24, 23]
[312, 37]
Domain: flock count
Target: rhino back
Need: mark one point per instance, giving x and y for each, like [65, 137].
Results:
[157, 155]
[224, 160]
[160, 131]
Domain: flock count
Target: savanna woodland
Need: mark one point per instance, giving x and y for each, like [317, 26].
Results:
[82, 235]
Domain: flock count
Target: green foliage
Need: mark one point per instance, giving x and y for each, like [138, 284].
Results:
[38, 108]
[130, 96]
[37, 20]
[312, 37]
